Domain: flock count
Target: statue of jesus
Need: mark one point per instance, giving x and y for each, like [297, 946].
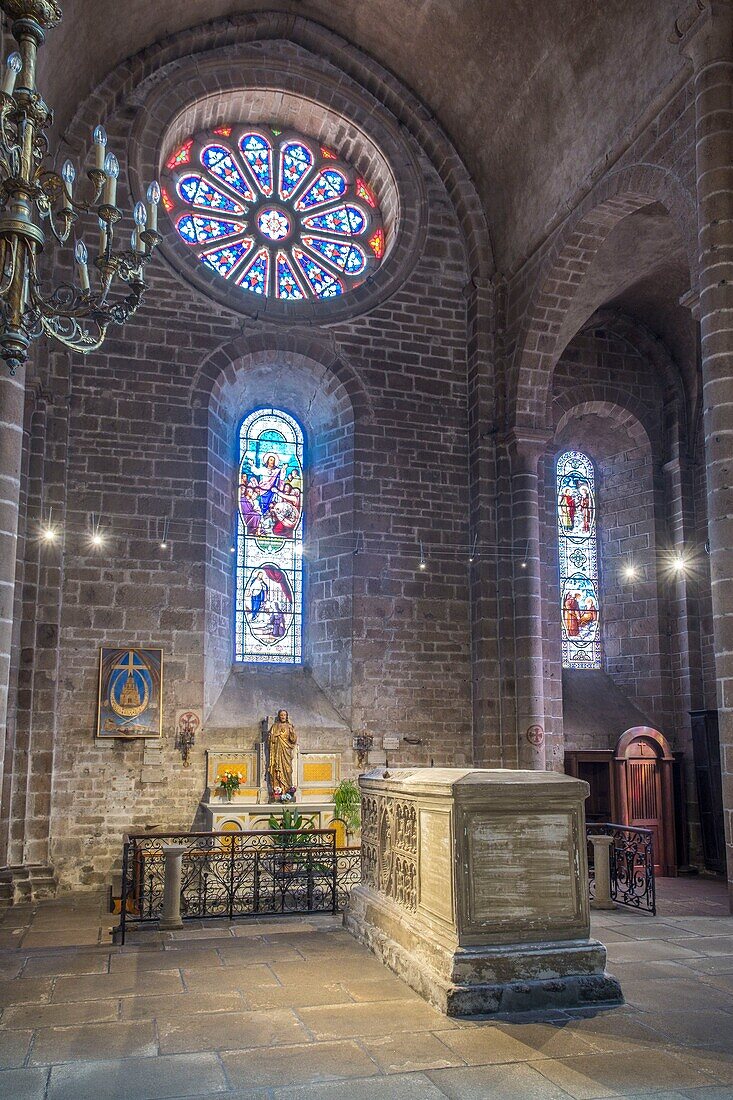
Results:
[281, 740]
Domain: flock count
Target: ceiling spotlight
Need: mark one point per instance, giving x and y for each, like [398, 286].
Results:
[523, 565]
[679, 564]
[423, 565]
[630, 571]
[97, 539]
[164, 546]
[48, 534]
[232, 549]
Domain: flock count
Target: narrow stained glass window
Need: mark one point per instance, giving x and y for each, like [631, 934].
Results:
[274, 213]
[578, 553]
[269, 550]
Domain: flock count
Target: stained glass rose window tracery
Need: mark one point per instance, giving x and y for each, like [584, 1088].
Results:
[578, 555]
[274, 212]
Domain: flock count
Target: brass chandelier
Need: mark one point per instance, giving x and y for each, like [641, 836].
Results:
[32, 193]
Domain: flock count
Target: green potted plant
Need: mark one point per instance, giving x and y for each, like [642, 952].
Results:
[347, 805]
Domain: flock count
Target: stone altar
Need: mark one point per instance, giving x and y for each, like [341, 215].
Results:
[475, 888]
[250, 807]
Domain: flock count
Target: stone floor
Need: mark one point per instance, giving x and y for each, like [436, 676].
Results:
[296, 1008]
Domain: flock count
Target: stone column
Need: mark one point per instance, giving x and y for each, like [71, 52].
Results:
[525, 449]
[705, 34]
[171, 916]
[12, 402]
[602, 872]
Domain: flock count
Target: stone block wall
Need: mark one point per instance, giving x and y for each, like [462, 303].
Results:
[389, 643]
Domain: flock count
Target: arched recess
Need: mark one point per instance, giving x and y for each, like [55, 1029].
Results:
[644, 763]
[622, 440]
[319, 389]
[296, 40]
[537, 344]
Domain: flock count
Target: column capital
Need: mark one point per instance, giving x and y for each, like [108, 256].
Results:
[527, 445]
[704, 32]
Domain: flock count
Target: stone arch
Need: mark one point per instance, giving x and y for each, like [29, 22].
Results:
[406, 111]
[566, 262]
[615, 404]
[314, 384]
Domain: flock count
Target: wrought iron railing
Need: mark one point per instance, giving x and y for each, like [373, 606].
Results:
[631, 865]
[238, 874]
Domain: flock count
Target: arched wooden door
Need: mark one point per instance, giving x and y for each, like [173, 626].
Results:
[644, 762]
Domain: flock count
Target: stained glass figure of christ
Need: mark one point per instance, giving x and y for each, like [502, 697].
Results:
[273, 212]
[578, 554]
[269, 548]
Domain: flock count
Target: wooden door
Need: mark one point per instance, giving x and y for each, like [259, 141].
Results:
[644, 796]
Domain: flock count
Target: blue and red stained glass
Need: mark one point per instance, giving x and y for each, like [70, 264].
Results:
[198, 229]
[330, 184]
[345, 257]
[578, 557]
[224, 260]
[256, 276]
[323, 284]
[221, 164]
[198, 192]
[274, 212]
[296, 161]
[287, 287]
[181, 156]
[345, 220]
[257, 152]
[268, 621]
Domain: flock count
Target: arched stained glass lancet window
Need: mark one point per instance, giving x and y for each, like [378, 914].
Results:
[578, 552]
[273, 212]
[269, 548]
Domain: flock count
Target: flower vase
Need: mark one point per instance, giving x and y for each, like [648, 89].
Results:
[228, 795]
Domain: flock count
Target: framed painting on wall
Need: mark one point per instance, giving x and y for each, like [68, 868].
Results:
[130, 692]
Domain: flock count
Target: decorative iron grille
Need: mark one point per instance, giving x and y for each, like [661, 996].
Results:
[632, 865]
[238, 874]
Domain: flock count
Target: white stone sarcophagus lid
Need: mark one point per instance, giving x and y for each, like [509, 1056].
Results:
[475, 888]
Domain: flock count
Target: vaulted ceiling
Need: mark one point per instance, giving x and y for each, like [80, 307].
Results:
[533, 94]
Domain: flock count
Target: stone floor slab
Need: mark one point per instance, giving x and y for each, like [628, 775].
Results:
[411, 1051]
[140, 963]
[231, 1031]
[373, 1020]
[66, 962]
[650, 950]
[181, 1005]
[104, 986]
[25, 991]
[60, 1015]
[378, 989]
[14, 1047]
[298, 1065]
[590, 1077]
[231, 978]
[288, 996]
[413, 1086]
[505, 1082]
[138, 1078]
[496, 1043]
[87, 1042]
[23, 1084]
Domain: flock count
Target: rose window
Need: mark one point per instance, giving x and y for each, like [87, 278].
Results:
[273, 212]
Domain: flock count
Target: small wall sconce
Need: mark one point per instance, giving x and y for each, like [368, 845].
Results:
[362, 743]
[186, 738]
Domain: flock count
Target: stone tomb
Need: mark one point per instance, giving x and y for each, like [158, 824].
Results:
[475, 888]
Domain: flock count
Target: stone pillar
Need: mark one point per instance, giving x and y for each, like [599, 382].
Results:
[12, 402]
[705, 34]
[171, 916]
[602, 872]
[526, 448]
